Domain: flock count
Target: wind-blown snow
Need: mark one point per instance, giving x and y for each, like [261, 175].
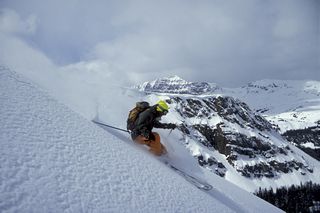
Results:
[54, 160]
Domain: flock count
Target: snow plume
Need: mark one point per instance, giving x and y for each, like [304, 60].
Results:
[33, 64]
[82, 86]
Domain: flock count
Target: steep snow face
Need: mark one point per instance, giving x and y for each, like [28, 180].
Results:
[177, 85]
[52, 159]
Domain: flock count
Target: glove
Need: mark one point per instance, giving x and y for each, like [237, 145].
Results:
[172, 126]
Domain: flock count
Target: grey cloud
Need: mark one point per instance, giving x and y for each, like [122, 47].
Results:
[228, 42]
[11, 22]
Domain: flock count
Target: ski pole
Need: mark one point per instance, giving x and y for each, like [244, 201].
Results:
[123, 130]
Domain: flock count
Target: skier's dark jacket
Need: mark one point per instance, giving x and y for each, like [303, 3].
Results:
[146, 121]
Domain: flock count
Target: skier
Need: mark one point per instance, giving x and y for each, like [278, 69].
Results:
[141, 132]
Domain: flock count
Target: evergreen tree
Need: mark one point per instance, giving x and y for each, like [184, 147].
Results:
[293, 199]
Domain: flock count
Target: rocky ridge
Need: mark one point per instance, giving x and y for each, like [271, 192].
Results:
[293, 106]
[239, 134]
[250, 143]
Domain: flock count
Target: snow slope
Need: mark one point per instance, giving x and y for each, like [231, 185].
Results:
[54, 160]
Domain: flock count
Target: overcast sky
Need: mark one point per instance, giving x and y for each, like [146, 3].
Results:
[227, 42]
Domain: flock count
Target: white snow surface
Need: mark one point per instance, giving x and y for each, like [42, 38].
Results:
[288, 104]
[55, 160]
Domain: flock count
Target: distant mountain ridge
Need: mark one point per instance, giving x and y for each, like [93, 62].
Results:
[293, 106]
[177, 85]
[286, 103]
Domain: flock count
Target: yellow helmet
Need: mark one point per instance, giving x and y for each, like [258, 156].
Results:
[162, 106]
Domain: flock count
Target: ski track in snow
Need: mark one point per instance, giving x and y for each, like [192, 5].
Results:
[52, 160]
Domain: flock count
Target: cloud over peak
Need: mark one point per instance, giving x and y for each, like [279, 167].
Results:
[228, 42]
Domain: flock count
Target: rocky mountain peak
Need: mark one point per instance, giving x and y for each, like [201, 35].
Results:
[176, 85]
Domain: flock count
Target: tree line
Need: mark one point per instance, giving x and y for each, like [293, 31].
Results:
[301, 198]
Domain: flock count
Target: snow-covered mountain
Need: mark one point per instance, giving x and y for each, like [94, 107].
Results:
[288, 104]
[293, 106]
[230, 139]
[177, 85]
[54, 160]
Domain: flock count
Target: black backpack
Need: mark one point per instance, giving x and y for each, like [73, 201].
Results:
[134, 113]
